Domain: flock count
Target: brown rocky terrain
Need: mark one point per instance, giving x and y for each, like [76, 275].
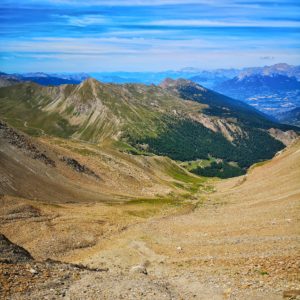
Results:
[12, 253]
[61, 170]
[233, 239]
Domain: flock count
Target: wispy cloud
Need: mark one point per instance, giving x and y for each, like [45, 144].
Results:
[267, 58]
[136, 46]
[148, 34]
[225, 23]
[84, 20]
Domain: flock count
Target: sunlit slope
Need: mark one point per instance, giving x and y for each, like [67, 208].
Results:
[178, 119]
[60, 170]
[274, 180]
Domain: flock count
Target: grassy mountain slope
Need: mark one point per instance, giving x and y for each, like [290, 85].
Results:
[62, 170]
[178, 119]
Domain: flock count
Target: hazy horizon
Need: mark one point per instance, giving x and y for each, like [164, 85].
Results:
[185, 69]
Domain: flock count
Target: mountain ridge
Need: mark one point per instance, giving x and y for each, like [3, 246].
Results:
[272, 94]
[179, 119]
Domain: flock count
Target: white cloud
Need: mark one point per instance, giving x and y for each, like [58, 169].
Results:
[114, 46]
[210, 23]
[104, 45]
[84, 20]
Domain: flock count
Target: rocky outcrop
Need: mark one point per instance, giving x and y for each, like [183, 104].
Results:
[229, 129]
[286, 137]
[12, 253]
[75, 165]
[24, 144]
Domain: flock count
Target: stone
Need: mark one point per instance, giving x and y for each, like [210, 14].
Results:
[33, 271]
[139, 269]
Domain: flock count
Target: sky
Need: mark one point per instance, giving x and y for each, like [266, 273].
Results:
[146, 35]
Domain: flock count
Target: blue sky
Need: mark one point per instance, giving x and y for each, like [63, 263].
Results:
[146, 35]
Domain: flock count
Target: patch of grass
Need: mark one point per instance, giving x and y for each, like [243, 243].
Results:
[194, 164]
[179, 185]
[192, 184]
[208, 188]
[262, 272]
[259, 164]
[53, 205]
[144, 213]
[124, 147]
[181, 175]
[154, 201]
[31, 131]
[82, 151]
[32, 120]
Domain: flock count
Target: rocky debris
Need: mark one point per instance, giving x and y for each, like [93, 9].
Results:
[75, 165]
[292, 294]
[22, 211]
[285, 137]
[118, 286]
[140, 269]
[30, 279]
[76, 266]
[37, 280]
[11, 253]
[23, 143]
[22, 277]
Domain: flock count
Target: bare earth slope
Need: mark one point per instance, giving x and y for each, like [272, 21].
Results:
[60, 170]
[239, 242]
[242, 241]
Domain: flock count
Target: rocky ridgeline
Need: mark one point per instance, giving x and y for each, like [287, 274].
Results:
[75, 165]
[24, 144]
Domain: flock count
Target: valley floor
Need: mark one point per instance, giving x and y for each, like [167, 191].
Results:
[239, 242]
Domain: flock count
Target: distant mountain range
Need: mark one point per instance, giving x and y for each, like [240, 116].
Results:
[274, 90]
[42, 78]
[290, 117]
[272, 94]
[277, 69]
[208, 78]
